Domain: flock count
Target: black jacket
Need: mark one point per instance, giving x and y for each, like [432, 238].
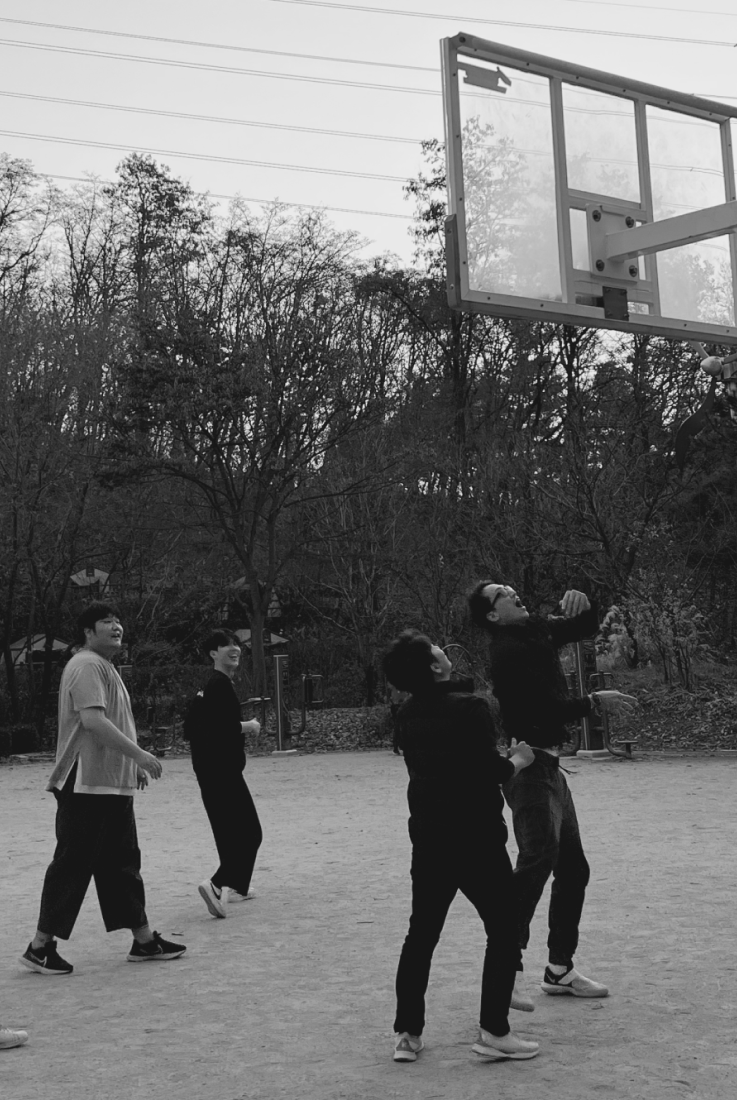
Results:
[449, 743]
[528, 679]
[219, 749]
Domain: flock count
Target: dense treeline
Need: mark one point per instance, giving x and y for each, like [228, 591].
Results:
[217, 412]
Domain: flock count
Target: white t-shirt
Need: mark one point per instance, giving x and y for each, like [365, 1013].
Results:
[89, 680]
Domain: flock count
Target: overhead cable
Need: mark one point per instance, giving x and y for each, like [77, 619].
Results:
[471, 19]
[202, 156]
[207, 118]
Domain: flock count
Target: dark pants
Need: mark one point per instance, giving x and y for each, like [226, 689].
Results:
[548, 839]
[235, 826]
[96, 838]
[485, 877]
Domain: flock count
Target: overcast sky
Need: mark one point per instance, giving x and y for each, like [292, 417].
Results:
[398, 47]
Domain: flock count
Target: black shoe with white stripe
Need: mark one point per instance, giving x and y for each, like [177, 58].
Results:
[156, 950]
[46, 960]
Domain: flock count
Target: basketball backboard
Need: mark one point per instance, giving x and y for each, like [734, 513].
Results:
[581, 197]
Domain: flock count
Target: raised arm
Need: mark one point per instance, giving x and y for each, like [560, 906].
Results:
[581, 620]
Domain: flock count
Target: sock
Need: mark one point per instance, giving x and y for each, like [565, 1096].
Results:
[40, 940]
[556, 968]
[143, 934]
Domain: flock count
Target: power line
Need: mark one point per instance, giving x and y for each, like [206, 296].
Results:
[202, 156]
[243, 198]
[214, 68]
[208, 118]
[217, 45]
[506, 23]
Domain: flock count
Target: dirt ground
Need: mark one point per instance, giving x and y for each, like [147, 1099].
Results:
[292, 995]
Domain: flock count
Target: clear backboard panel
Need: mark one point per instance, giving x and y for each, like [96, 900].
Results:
[582, 197]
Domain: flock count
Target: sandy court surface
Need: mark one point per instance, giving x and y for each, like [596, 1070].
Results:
[292, 995]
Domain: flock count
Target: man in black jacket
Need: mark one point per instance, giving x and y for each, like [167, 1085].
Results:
[536, 705]
[218, 759]
[458, 840]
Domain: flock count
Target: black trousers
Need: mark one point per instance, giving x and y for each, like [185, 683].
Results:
[235, 826]
[485, 877]
[549, 842]
[95, 838]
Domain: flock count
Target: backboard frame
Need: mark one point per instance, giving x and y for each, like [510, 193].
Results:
[458, 52]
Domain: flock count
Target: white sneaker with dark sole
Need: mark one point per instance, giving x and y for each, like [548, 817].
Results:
[407, 1047]
[498, 1048]
[213, 898]
[572, 983]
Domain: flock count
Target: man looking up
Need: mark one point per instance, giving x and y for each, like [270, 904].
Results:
[218, 758]
[535, 704]
[458, 840]
[99, 765]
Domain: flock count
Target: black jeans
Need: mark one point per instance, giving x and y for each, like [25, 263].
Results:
[96, 838]
[485, 877]
[549, 842]
[235, 826]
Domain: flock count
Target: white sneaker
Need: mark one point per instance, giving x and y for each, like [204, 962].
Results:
[212, 897]
[499, 1047]
[520, 1001]
[573, 983]
[407, 1047]
[233, 895]
[10, 1037]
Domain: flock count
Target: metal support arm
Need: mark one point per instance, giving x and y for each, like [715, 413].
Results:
[699, 225]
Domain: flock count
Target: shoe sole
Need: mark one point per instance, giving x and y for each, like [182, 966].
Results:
[39, 969]
[405, 1056]
[499, 1056]
[562, 990]
[211, 904]
[11, 1046]
[521, 1006]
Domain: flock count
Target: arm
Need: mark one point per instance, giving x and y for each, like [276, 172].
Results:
[574, 628]
[481, 734]
[527, 703]
[104, 733]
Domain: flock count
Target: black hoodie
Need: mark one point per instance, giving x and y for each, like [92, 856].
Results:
[535, 702]
[449, 742]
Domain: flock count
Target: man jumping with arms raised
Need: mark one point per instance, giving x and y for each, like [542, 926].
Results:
[535, 707]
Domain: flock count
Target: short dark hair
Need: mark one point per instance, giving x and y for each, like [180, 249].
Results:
[407, 662]
[217, 638]
[479, 605]
[92, 614]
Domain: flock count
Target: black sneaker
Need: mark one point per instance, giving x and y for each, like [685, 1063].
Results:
[46, 960]
[158, 949]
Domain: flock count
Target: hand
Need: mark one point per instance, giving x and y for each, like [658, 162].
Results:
[520, 754]
[254, 726]
[149, 763]
[141, 779]
[616, 702]
[574, 603]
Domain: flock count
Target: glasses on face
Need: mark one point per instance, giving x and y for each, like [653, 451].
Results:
[503, 593]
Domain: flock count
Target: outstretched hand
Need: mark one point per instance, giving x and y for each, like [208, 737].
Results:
[616, 702]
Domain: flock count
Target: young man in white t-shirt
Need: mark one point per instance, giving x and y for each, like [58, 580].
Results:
[99, 765]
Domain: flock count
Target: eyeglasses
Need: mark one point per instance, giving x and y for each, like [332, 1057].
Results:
[507, 593]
